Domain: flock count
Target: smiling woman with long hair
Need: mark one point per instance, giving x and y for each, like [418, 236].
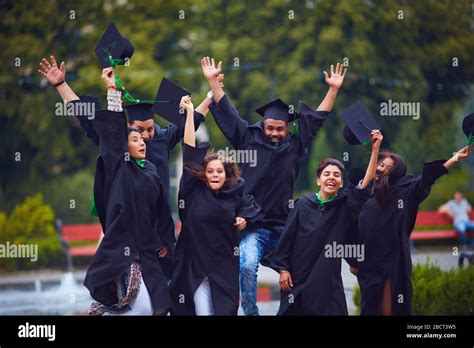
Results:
[213, 210]
[385, 223]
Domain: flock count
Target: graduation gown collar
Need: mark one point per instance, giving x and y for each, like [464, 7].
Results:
[237, 189]
[340, 197]
[265, 139]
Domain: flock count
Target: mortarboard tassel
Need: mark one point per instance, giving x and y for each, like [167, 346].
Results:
[113, 63]
[295, 129]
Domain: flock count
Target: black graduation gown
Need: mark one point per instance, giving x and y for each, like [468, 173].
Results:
[158, 153]
[317, 282]
[165, 139]
[85, 121]
[271, 180]
[385, 232]
[208, 243]
[134, 213]
[158, 148]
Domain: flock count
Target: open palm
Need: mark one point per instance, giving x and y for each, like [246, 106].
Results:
[209, 68]
[337, 77]
[51, 71]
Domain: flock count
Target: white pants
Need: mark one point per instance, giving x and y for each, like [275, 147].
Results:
[142, 303]
[202, 299]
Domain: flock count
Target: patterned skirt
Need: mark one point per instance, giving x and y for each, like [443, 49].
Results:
[127, 287]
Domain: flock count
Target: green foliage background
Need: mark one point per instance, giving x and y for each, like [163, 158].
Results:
[31, 223]
[438, 292]
[407, 60]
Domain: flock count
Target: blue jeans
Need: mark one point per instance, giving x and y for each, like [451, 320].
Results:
[462, 227]
[253, 246]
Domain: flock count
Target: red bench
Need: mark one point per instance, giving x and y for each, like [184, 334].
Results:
[82, 233]
[90, 234]
[442, 226]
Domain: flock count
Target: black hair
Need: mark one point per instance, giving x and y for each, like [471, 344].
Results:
[132, 129]
[329, 162]
[386, 181]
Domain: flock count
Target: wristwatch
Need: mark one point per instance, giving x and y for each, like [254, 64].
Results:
[210, 96]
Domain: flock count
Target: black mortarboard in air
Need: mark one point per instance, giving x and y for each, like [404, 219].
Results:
[468, 127]
[278, 110]
[139, 112]
[359, 124]
[168, 99]
[112, 43]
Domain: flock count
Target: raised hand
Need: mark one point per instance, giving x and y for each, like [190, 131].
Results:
[464, 152]
[109, 77]
[209, 69]
[337, 77]
[186, 103]
[376, 138]
[51, 72]
[460, 155]
[220, 79]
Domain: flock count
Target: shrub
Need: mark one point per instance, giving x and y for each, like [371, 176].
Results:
[31, 222]
[438, 292]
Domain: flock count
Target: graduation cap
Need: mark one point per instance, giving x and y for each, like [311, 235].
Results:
[278, 110]
[139, 112]
[167, 101]
[468, 127]
[359, 124]
[113, 44]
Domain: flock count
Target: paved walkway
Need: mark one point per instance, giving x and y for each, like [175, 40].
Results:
[55, 292]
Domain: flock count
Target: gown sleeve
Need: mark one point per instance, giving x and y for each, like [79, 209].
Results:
[419, 189]
[249, 209]
[111, 128]
[309, 123]
[356, 198]
[235, 129]
[165, 224]
[280, 258]
[85, 120]
[173, 133]
[192, 157]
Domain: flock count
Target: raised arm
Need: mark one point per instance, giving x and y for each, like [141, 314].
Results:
[57, 77]
[334, 82]
[211, 73]
[203, 108]
[460, 155]
[234, 128]
[111, 126]
[376, 139]
[189, 131]
[173, 133]
[310, 120]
